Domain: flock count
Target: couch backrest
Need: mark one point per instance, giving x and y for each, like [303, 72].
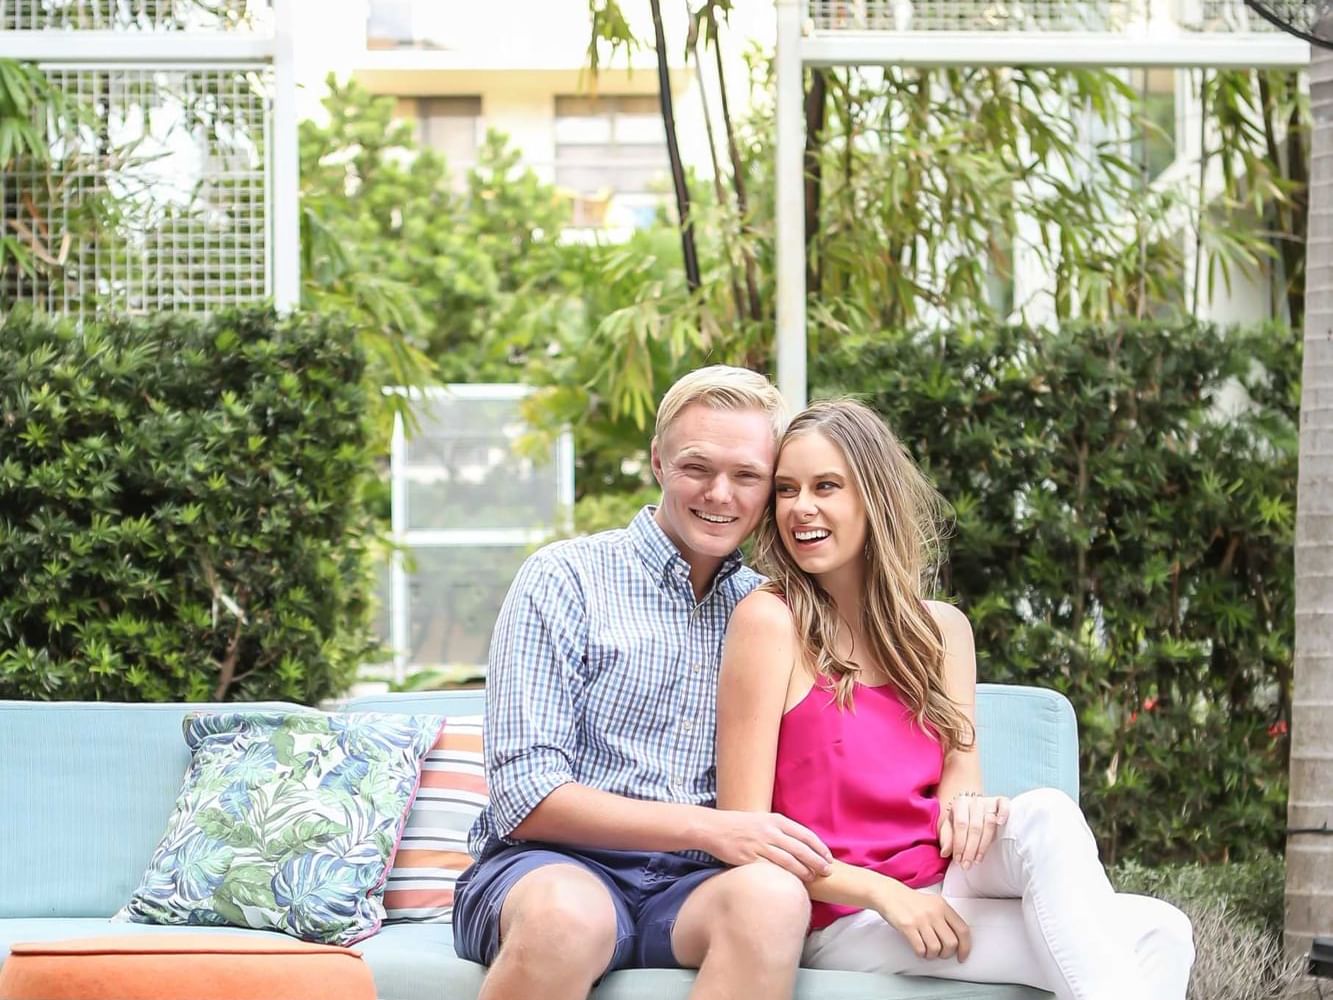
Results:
[1028, 735]
[85, 792]
[1029, 739]
[86, 788]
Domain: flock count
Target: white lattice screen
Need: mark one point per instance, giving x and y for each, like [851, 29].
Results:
[160, 196]
[130, 15]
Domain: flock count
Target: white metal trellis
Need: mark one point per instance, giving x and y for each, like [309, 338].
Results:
[1104, 33]
[192, 138]
[467, 507]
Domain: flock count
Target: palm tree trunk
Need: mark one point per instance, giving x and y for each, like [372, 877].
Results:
[1309, 909]
[816, 101]
[737, 181]
[687, 244]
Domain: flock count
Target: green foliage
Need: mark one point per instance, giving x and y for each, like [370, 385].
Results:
[444, 281]
[925, 187]
[27, 100]
[1250, 890]
[1236, 912]
[611, 510]
[181, 511]
[471, 276]
[1124, 516]
[32, 111]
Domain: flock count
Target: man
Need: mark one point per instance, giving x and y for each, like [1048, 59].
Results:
[599, 849]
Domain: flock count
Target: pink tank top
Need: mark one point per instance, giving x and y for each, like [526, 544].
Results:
[864, 780]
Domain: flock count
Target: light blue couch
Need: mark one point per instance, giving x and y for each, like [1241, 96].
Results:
[86, 789]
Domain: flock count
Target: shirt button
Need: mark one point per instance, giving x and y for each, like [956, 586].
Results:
[686, 725]
[698, 668]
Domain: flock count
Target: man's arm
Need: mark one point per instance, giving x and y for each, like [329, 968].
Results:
[533, 702]
[533, 691]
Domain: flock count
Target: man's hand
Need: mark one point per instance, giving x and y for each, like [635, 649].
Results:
[968, 825]
[931, 926]
[739, 838]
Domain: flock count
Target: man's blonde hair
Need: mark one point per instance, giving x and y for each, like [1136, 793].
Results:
[723, 387]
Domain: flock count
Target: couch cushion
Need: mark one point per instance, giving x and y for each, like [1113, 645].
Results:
[433, 850]
[92, 785]
[416, 962]
[287, 821]
[200, 966]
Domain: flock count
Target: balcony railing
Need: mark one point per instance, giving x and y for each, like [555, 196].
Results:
[1083, 16]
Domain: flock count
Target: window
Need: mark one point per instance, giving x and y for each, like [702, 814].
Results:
[611, 156]
[403, 24]
[448, 125]
[469, 501]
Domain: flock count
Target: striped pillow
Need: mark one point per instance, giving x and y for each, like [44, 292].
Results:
[433, 850]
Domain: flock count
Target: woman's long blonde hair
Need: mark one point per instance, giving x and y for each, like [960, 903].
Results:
[904, 519]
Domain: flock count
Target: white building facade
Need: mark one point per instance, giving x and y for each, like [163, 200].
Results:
[460, 69]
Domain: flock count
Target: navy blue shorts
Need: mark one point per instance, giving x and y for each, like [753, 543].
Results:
[647, 890]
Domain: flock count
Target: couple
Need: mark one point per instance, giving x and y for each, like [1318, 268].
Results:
[692, 767]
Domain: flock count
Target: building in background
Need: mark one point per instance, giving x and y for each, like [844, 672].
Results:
[459, 69]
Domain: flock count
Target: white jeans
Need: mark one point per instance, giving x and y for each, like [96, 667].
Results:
[1042, 913]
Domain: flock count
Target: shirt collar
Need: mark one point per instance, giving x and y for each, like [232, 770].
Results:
[660, 554]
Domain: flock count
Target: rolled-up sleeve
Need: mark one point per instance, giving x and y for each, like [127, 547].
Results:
[534, 690]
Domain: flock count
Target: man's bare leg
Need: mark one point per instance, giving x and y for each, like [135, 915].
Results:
[744, 930]
[557, 935]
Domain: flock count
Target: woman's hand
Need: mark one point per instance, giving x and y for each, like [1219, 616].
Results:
[931, 926]
[968, 824]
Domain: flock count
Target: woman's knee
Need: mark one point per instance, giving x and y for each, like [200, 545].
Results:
[1047, 812]
[1168, 930]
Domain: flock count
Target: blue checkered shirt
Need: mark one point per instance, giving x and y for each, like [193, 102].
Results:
[603, 671]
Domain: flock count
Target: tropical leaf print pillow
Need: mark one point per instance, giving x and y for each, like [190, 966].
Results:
[287, 822]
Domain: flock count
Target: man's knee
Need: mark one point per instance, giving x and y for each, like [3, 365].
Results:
[562, 915]
[763, 901]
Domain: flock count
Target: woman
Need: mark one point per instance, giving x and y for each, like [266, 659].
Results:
[846, 704]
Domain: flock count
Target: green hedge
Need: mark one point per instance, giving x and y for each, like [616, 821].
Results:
[1251, 891]
[1125, 500]
[181, 508]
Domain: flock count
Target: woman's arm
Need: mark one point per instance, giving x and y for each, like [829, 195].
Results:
[757, 662]
[969, 820]
[962, 767]
[761, 654]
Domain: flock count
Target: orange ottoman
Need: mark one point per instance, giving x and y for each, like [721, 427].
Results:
[184, 967]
